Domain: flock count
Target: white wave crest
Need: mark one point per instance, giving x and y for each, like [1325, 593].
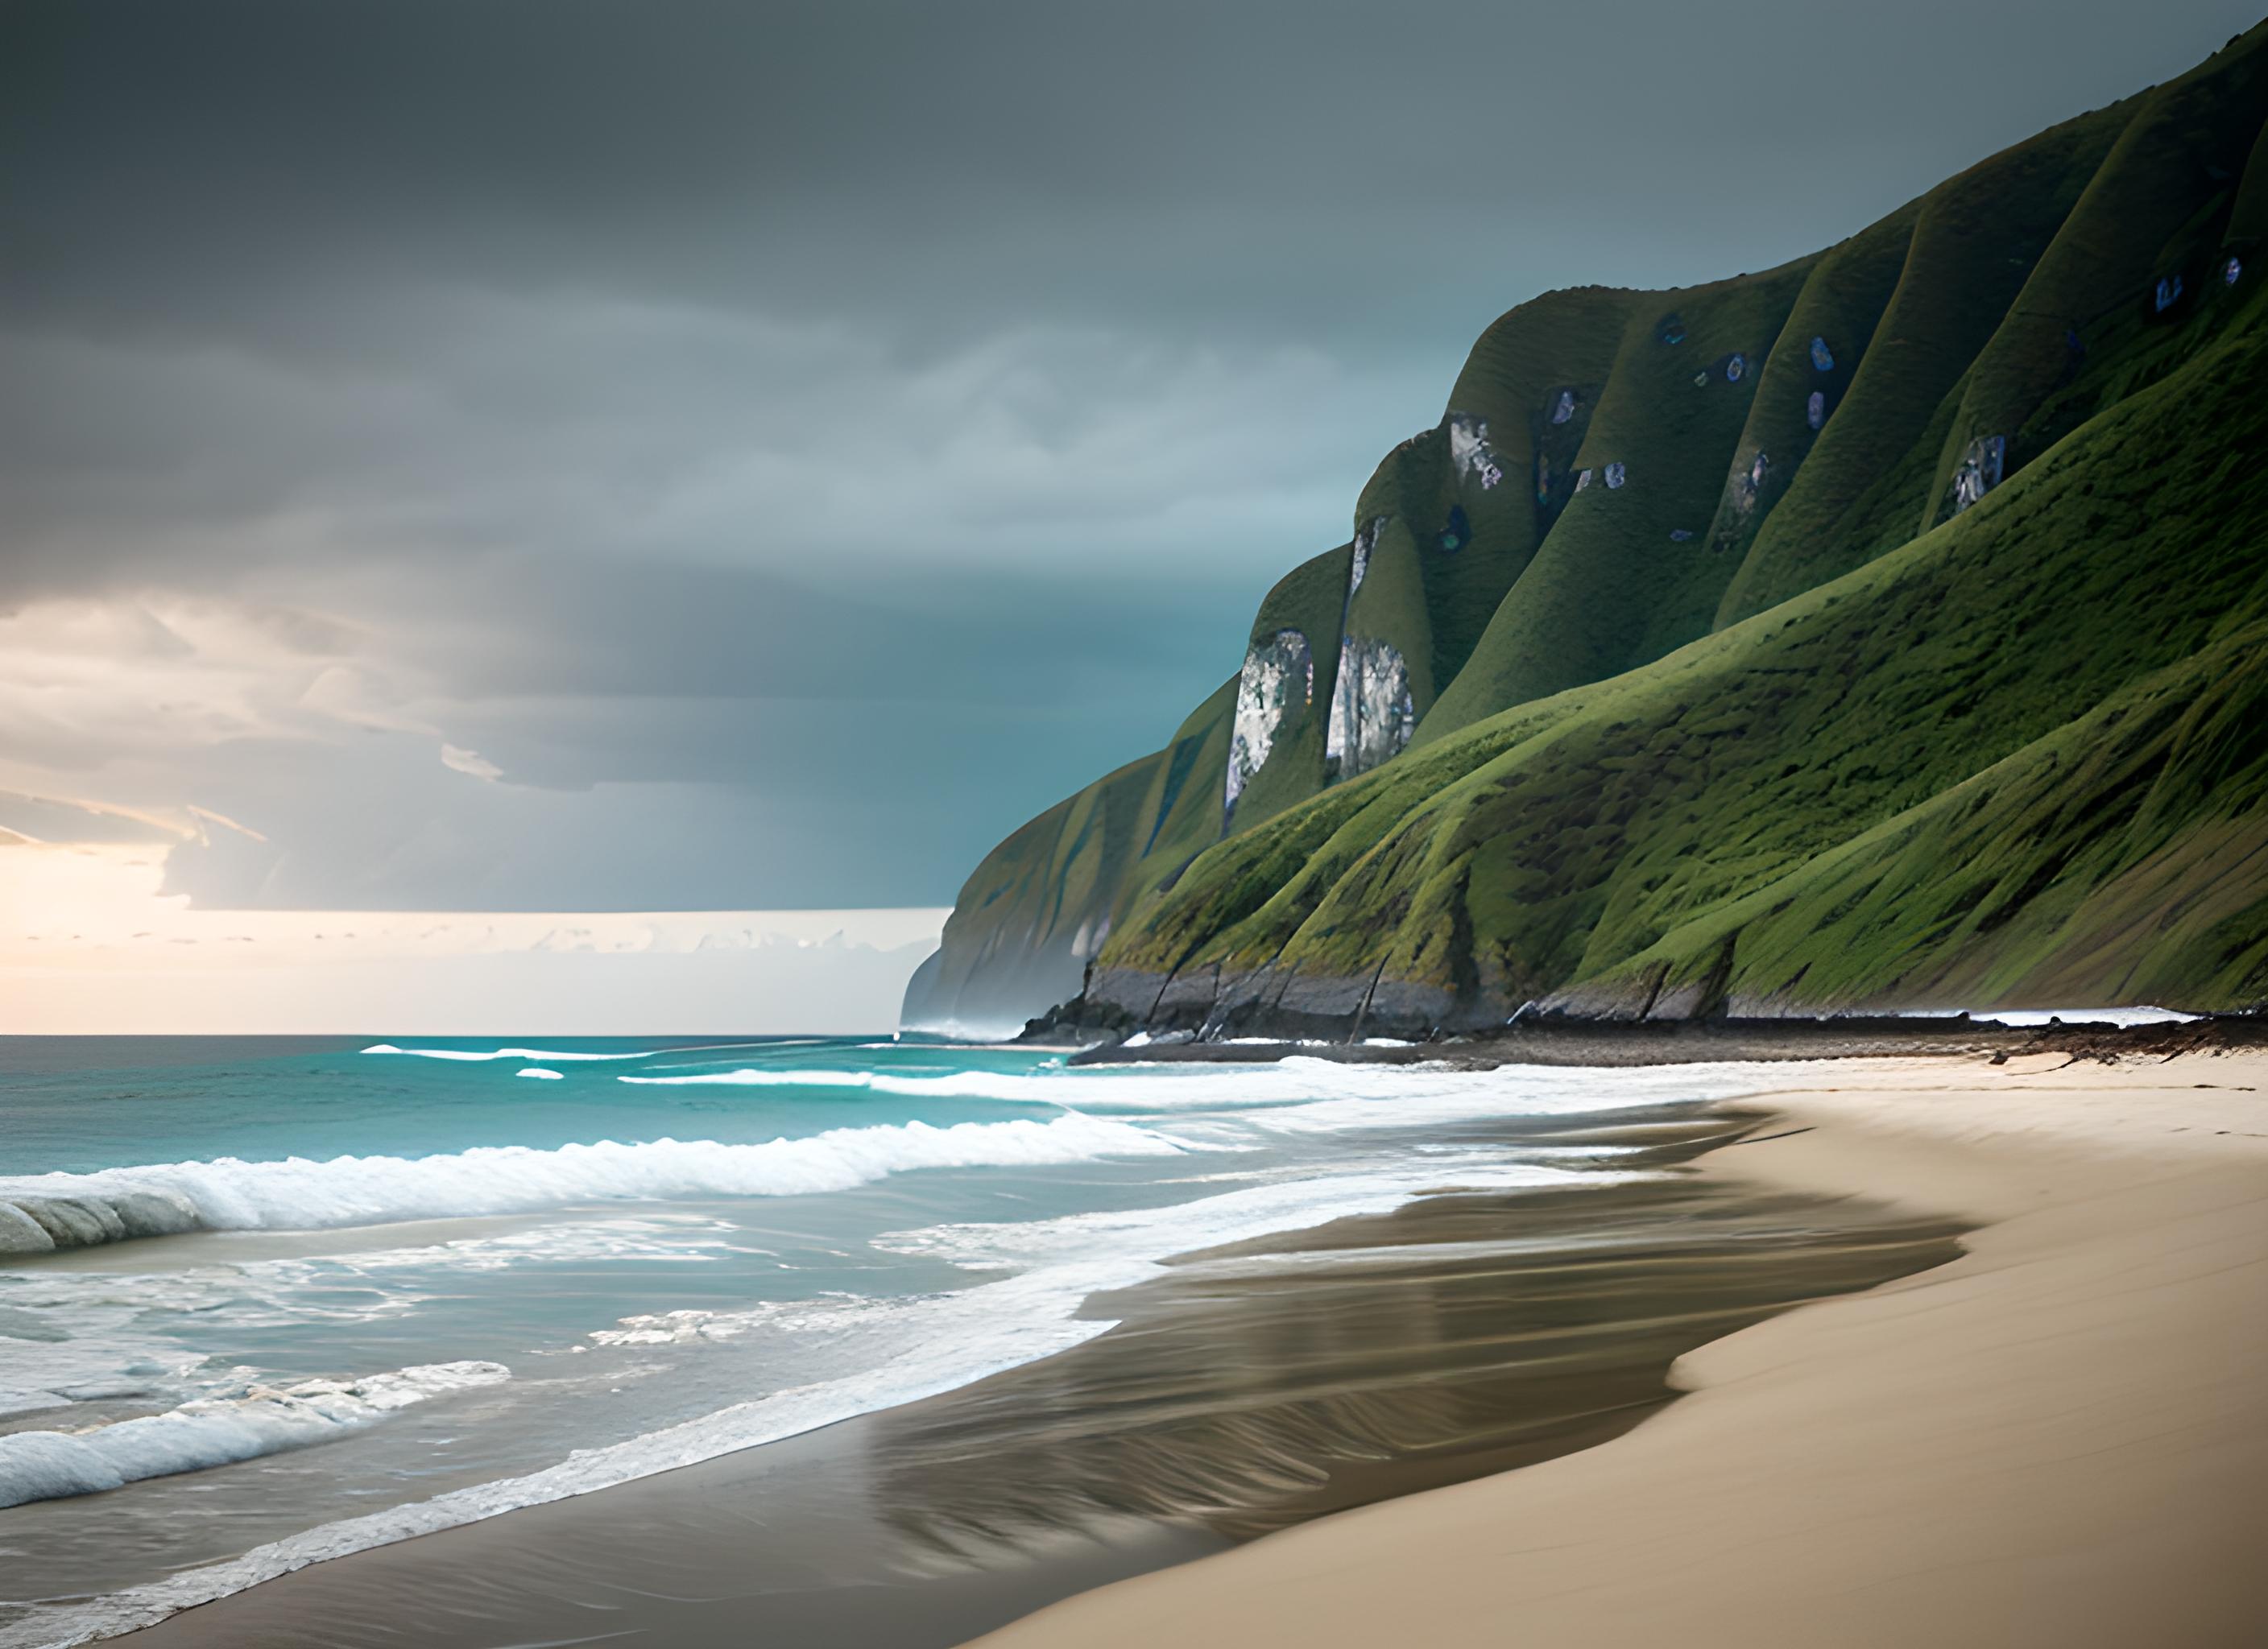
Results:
[1360, 1094]
[476, 1056]
[1147, 1088]
[753, 1079]
[298, 1194]
[934, 1343]
[538, 1073]
[216, 1430]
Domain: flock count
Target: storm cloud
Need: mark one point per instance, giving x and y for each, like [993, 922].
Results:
[558, 454]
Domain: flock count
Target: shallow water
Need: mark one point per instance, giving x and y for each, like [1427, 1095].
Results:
[508, 1290]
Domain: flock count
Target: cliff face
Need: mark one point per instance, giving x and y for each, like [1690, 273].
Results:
[1886, 629]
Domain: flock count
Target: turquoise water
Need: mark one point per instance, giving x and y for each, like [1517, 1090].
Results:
[411, 1283]
[71, 1102]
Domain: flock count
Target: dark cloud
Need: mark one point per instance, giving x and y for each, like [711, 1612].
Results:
[789, 444]
[920, 162]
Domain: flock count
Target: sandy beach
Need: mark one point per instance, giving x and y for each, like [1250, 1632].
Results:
[2059, 1438]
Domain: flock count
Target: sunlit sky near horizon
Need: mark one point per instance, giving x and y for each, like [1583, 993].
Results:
[543, 455]
[94, 946]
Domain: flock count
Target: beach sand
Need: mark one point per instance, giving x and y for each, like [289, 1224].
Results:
[2058, 1438]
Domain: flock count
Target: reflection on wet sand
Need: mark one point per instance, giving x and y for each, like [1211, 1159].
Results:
[1260, 1385]
[1250, 1388]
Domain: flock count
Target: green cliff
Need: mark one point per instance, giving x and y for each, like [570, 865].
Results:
[1888, 629]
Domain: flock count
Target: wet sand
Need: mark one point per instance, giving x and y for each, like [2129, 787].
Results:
[2060, 1439]
[1250, 1389]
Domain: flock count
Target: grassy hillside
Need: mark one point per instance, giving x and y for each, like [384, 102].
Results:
[1789, 716]
[1043, 902]
[1871, 477]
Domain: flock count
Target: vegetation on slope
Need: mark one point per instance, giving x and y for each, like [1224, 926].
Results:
[1812, 731]
[1589, 836]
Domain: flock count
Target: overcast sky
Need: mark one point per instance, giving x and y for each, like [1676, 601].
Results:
[666, 455]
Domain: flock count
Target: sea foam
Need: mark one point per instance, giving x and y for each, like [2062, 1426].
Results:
[219, 1431]
[40, 1212]
[1126, 1088]
[1389, 1094]
[471, 1055]
[935, 1343]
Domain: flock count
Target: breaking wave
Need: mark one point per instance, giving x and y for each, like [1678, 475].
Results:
[476, 1056]
[219, 1431]
[1388, 1094]
[48, 1211]
[1149, 1088]
[931, 1344]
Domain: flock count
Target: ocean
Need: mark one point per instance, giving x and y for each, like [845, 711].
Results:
[406, 1284]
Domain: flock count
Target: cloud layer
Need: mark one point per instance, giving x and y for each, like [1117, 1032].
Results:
[570, 454]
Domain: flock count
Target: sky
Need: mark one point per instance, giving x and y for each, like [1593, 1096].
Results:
[478, 455]
[94, 946]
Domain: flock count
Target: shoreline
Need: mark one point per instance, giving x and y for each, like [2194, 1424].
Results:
[2058, 1438]
[1558, 1038]
[675, 1534]
[1244, 1388]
